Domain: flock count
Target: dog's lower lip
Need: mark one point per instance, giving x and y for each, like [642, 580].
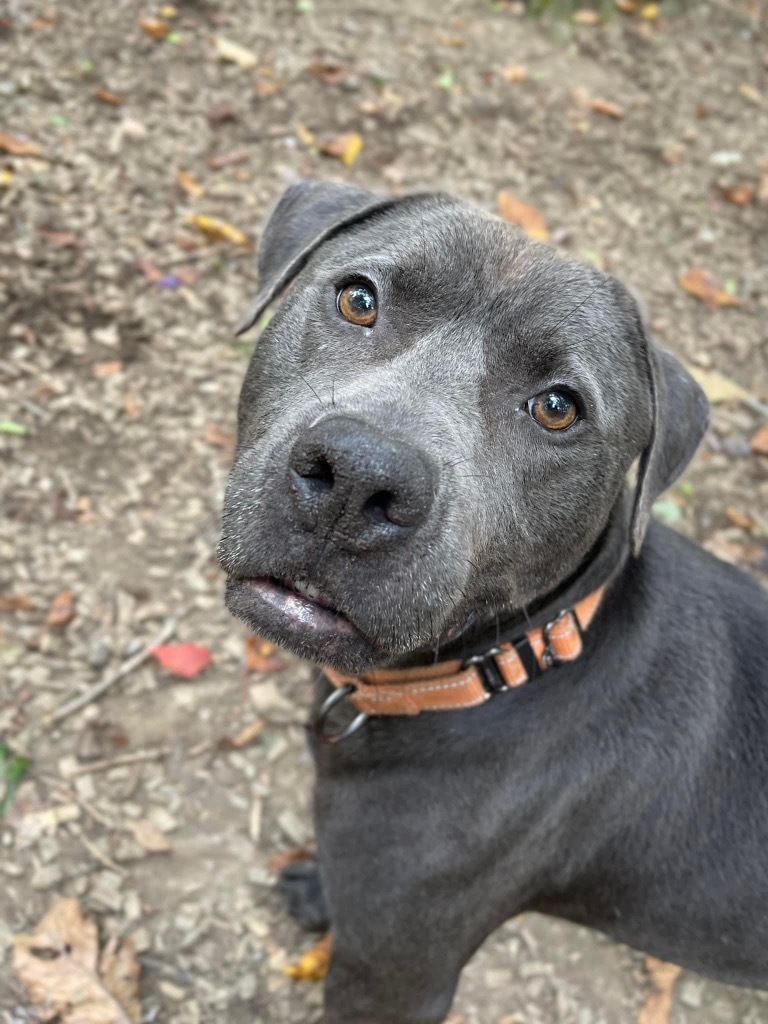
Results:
[304, 611]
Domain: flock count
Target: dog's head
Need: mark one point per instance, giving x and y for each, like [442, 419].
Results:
[440, 417]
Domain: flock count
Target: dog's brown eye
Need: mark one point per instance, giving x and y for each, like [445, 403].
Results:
[357, 303]
[554, 410]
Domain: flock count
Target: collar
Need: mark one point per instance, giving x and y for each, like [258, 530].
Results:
[453, 685]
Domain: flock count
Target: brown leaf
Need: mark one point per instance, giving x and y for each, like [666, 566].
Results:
[246, 735]
[62, 609]
[188, 184]
[261, 656]
[526, 217]
[265, 87]
[297, 854]
[702, 285]
[759, 441]
[16, 603]
[744, 522]
[149, 836]
[59, 965]
[107, 369]
[607, 108]
[219, 160]
[154, 28]
[328, 72]
[184, 660]
[629, 6]
[346, 147]
[658, 1002]
[515, 73]
[314, 964]
[18, 147]
[739, 195]
[219, 438]
[107, 96]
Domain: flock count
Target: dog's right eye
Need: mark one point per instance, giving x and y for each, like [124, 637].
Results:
[357, 303]
[553, 410]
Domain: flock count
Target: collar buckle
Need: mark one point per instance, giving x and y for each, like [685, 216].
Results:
[330, 702]
[549, 657]
[488, 670]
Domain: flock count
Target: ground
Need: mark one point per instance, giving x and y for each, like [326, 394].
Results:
[117, 357]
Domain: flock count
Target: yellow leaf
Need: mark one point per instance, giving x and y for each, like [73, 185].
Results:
[234, 53]
[650, 12]
[526, 217]
[346, 147]
[186, 182]
[218, 230]
[169, 12]
[749, 92]
[6, 177]
[313, 966]
[305, 136]
[717, 387]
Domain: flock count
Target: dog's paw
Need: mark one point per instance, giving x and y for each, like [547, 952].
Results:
[300, 884]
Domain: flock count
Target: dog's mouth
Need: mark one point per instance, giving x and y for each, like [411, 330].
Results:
[299, 604]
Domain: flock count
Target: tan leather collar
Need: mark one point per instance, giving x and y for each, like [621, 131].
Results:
[451, 685]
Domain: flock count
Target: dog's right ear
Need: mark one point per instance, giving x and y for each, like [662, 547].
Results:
[306, 215]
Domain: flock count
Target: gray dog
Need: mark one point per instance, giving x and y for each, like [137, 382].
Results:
[533, 697]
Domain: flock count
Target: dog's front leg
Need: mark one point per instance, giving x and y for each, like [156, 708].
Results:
[391, 988]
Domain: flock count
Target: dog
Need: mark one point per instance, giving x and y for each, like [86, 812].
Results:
[533, 697]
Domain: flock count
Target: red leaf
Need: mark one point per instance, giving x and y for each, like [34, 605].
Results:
[185, 660]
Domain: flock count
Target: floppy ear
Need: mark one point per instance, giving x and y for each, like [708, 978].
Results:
[306, 215]
[680, 413]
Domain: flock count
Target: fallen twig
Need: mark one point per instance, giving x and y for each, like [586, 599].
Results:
[138, 757]
[100, 688]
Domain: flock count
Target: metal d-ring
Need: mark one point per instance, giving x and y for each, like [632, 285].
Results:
[327, 706]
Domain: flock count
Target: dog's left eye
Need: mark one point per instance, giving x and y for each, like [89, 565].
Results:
[554, 410]
[357, 303]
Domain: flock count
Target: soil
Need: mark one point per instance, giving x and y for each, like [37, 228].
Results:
[117, 357]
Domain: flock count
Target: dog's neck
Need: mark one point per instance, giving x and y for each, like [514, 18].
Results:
[602, 564]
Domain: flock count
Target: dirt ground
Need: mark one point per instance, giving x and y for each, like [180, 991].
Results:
[117, 359]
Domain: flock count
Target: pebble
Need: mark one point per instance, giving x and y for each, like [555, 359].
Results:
[99, 651]
[45, 876]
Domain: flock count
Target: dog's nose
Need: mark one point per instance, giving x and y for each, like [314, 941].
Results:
[370, 490]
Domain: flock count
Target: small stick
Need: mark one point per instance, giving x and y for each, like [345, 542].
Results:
[100, 688]
[138, 757]
[102, 858]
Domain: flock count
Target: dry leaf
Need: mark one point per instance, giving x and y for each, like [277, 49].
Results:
[218, 230]
[586, 16]
[515, 73]
[107, 369]
[188, 184]
[739, 195]
[749, 92]
[219, 160]
[261, 656]
[265, 87]
[658, 1002]
[60, 967]
[607, 108]
[246, 735]
[297, 854]
[759, 441]
[62, 609]
[305, 136]
[234, 53]
[346, 147]
[149, 836]
[155, 28]
[18, 147]
[184, 660]
[702, 285]
[219, 438]
[650, 12]
[328, 72]
[526, 217]
[16, 603]
[110, 98]
[629, 6]
[313, 966]
[717, 387]
[744, 522]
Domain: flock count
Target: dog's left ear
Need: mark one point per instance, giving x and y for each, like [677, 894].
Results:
[680, 414]
[306, 215]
